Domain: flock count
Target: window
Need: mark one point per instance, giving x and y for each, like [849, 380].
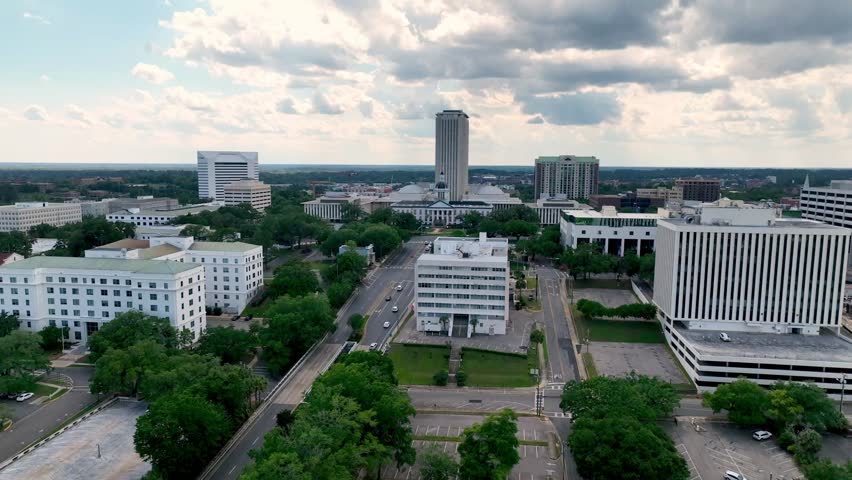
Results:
[75, 301]
[152, 285]
[116, 304]
[153, 308]
[50, 301]
[104, 293]
[90, 303]
[63, 301]
[128, 282]
[105, 314]
[65, 313]
[14, 291]
[61, 279]
[49, 289]
[103, 281]
[76, 314]
[75, 291]
[51, 311]
[116, 293]
[104, 303]
[129, 304]
[76, 322]
[153, 296]
[91, 313]
[89, 291]
[116, 281]
[49, 279]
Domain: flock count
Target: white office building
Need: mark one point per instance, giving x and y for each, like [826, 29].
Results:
[549, 210]
[217, 169]
[148, 218]
[615, 232]
[255, 193]
[832, 204]
[85, 293]
[462, 287]
[569, 176]
[452, 132]
[774, 286]
[233, 270]
[23, 216]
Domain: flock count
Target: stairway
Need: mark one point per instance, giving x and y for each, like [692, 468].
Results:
[455, 361]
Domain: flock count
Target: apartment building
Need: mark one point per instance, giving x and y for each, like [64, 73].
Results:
[148, 218]
[773, 286]
[21, 217]
[462, 287]
[568, 176]
[233, 270]
[217, 169]
[85, 293]
[700, 189]
[255, 193]
[615, 232]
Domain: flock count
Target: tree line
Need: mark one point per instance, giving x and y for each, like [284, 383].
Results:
[592, 309]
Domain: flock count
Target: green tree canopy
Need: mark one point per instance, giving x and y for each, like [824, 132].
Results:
[20, 355]
[642, 397]
[123, 370]
[292, 325]
[489, 450]
[437, 465]
[295, 278]
[227, 343]
[8, 323]
[745, 401]
[16, 242]
[129, 328]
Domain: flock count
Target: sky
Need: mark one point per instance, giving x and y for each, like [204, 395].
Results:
[686, 83]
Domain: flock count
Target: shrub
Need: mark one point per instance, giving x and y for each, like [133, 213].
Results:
[217, 310]
[461, 378]
[441, 378]
[786, 439]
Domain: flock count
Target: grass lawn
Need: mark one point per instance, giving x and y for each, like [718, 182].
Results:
[417, 364]
[531, 283]
[495, 369]
[617, 330]
[589, 363]
[624, 284]
[44, 390]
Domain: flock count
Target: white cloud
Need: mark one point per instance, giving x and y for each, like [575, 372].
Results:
[36, 18]
[77, 114]
[44, 78]
[152, 73]
[35, 112]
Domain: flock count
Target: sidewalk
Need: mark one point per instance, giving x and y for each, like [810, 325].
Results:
[71, 356]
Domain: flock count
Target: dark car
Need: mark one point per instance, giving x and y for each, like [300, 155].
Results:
[388, 298]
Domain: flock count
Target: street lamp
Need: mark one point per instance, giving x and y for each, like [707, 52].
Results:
[842, 381]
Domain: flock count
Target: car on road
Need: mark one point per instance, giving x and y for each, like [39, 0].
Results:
[761, 435]
[12, 396]
[24, 396]
[399, 288]
[386, 324]
[724, 337]
[395, 309]
[373, 346]
[729, 475]
[388, 298]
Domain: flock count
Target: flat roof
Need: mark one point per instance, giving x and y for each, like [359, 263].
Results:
[826, 347]
[780, 223]
[115, 264]
[557, 158]
[597, 214]
[175, 212]
[222, 246]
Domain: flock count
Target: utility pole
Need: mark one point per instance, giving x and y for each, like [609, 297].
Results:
[842, 381]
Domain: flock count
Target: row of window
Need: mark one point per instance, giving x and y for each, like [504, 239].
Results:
[463, 277]
[460, 286]
[459, 306]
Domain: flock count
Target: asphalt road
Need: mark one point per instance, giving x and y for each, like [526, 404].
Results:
[46, 417]
[563, 364]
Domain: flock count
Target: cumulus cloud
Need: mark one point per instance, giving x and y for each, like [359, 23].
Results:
[366, 108]
[323, 106]
[152, 73]
[287, 106]
[581, 108]
[36, 18]
[76, 113]
[35, 112]
[536, 120]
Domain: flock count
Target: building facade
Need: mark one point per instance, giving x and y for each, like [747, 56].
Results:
[451, 152]
[148, 218]
[462, 287]
[700, 189]
[616, 233]
[255, 193]
[21, 217]
[85, 293]
[567, 176]
[673, 194]
[440, 213]
[217, 169]
[831, 205]
[233, 270]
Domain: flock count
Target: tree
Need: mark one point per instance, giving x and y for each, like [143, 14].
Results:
[798, 405]
[122, 371]
[808, 444]
[348, 265]
[16, 242]
[646, 267]
[51, 337]
[180, 433]
[642, 397]
[351, 212]
[631, 262]
[337, 238]
[8, 323]
[470, 221]
[278, 466]
[292, 325]
[489, 450]
[383, 238]
[338, 293]
[823, 469]
[441, 378]
[537, 336]
[284, 420]
[519, 228]
[622, 447]
[379, 364]
[745, 401]
[198, 232]
[521, 283]
[357, 322]
[20, 355]
[437, 465]
[227, 343]
[295, 278]
[128, 328]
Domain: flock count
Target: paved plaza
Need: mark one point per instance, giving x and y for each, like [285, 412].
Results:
[608, 297]
[74, 454]
[618, 359]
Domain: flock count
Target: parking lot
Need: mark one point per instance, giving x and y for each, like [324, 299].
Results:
[608, 297]
[618, 359]
[535, 463]
[711, 449]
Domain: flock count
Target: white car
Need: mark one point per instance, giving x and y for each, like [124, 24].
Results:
[729, 475]
[724, 337]
[373, 345]
[761, 435]
[399, 288]
[24, 397]
[395, 309]
[386, 325]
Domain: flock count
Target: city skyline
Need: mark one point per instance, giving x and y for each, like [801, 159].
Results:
[635, 84]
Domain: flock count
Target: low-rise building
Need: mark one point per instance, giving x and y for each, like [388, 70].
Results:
[253, 192]
[462, 287]
[233, 270]
[549, 210]
[85, 293]
[149, 218]
[673, 194]
[616, 233]
[147, 233]
[23, 216]
[10, 257]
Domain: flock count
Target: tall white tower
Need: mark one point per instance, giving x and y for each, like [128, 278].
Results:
[451, 148]
[217, 169]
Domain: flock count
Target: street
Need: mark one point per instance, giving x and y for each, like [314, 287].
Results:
[563, 364]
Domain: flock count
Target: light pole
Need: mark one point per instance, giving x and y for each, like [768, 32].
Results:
[842, 381]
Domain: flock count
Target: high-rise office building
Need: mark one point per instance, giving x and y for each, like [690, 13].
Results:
[832, 204]
[566, 176]
[217, 169]
[700, 189]
[451, 152]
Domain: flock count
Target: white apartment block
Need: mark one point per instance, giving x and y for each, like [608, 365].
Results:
[233, 270]
[774, 286]
[217, 169]
[462, 287]
[85, 293]
[21, 217]
[255, 193]
[566, 175]
[148, 218]
[832, 204]
[615, 232]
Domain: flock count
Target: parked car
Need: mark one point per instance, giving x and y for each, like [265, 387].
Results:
[388, 298]
[24, 397]
[395, 309]
[12, 396]
[724, 337]
[386, 325]
[235, 318]
[729, 475]
[373, 345]
[761, 435]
